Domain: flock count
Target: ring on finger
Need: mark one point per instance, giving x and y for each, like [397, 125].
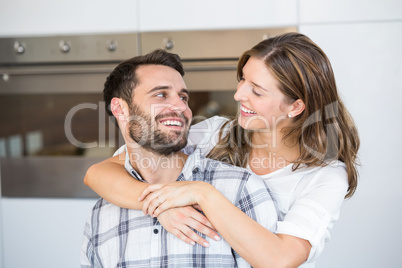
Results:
[157, 199]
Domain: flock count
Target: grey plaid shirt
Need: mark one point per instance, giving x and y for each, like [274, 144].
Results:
[117, 237]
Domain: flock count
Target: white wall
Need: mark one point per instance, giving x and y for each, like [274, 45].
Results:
[362, 39]
[368, 233]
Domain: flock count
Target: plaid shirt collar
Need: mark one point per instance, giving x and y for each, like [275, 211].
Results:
[194, 162]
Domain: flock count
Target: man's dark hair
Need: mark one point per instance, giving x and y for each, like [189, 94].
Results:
[123, 79]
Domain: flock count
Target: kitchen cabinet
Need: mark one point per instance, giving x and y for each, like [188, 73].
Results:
[49, 17]
[331, 11]
[159, 15]
[91, 16]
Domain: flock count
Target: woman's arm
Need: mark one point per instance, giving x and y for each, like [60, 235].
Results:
[110, 180]
[257, 245]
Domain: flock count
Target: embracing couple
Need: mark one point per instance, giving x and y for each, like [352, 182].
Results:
[261, 190]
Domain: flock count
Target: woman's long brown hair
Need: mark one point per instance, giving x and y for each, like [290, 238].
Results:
[324, 131]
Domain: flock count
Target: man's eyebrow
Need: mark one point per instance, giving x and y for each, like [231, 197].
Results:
[184, 90]
[157, 88]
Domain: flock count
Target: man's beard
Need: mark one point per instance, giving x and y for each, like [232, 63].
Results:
[146, 133]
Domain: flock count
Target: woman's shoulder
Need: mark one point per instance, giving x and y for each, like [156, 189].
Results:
[333, 175]
[210, 124]
[206, 131]
[290, 180]
[334, 168]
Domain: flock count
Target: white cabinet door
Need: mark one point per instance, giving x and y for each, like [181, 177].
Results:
[329, 11]
[367, 60]
[52, 17]
[159, 15]
[43, 233]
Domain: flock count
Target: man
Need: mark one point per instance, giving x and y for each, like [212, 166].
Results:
[149, 99]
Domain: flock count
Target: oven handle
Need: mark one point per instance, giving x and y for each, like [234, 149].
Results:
[33, 71]
[56, 70]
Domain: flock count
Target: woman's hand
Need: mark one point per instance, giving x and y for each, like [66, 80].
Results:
[179, 221]
[158, 197]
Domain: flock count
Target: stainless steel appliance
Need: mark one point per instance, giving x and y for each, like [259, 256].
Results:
[53, 123]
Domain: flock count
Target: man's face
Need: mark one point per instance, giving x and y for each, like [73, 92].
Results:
[160, 116]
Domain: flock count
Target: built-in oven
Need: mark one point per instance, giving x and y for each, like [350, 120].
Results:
[53, 122]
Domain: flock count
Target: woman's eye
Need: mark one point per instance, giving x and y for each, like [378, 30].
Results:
[255, 92]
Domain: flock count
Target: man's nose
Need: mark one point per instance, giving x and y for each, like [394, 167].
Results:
[178, 104]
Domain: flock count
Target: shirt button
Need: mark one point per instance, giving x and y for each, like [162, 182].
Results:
[156, 231]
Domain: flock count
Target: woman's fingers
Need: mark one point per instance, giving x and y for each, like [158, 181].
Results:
[189, 233]
[200, 227]
[156, 203]
[176, 194]
[182, 222]
[150, 203]
[157, 206]
[204, 220]
[179, 234]
[151, 188]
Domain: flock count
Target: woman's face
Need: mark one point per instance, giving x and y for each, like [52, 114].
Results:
[262, 104]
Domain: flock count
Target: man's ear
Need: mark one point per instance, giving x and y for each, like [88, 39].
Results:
[297, 107]
[119, 109]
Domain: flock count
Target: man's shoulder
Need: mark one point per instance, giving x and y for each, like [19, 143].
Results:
[104, 211]
[102, 204]
[222, 166]
[103, 207]
[197, 159]
[217, 169]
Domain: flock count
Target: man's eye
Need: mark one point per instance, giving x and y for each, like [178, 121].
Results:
[185, 98]
[161, 95]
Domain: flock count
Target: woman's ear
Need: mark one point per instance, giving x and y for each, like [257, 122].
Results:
[297, 107]
[119, 108]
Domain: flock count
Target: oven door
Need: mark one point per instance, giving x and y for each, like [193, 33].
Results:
[54, 126]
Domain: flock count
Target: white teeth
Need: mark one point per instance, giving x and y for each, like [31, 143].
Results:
[247, 110]
[172, 123]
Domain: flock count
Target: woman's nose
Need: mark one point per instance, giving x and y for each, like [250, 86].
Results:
[240, 94]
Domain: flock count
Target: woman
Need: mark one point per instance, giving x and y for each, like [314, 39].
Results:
[293, 130]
